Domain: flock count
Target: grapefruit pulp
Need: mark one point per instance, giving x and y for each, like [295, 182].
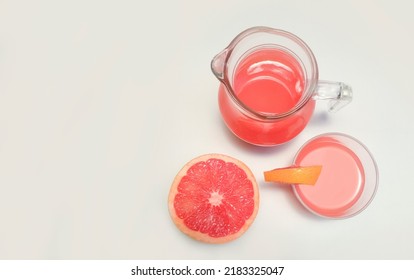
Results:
[214, 198]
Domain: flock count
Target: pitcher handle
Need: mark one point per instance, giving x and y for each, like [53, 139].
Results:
[338, 94]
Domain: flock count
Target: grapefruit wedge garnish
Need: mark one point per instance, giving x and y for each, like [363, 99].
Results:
[214, 198]
[306, 175]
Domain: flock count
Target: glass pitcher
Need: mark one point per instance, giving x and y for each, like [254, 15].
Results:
[269, 85]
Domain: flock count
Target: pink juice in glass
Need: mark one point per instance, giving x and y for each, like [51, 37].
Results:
[341, 182]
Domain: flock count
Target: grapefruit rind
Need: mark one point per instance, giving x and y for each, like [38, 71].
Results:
[306, 175]
[205, 237]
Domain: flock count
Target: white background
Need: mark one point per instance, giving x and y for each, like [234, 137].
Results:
[102, 102]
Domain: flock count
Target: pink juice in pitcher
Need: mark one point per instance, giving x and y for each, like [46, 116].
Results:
[340, 183]
[268, 81]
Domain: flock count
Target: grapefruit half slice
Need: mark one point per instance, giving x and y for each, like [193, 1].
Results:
[214, 198]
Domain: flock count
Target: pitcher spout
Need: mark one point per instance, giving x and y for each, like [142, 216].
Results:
[218, 64]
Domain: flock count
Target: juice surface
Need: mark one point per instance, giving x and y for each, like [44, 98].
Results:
[269, 80]
[341, 181]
